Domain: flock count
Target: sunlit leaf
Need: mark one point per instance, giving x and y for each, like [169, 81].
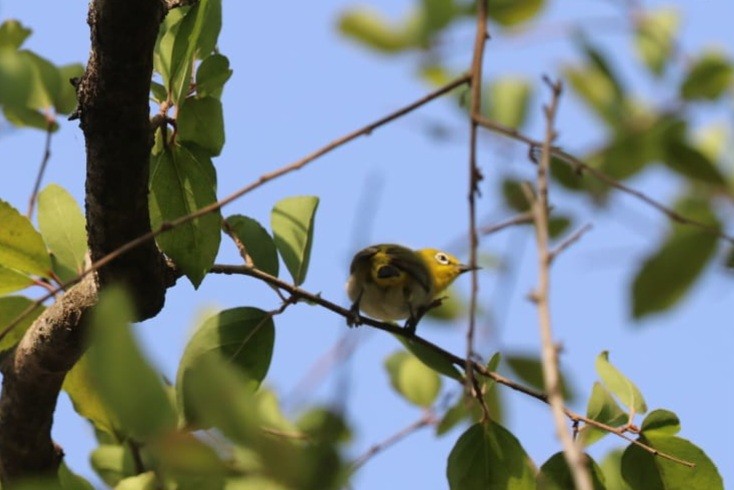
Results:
[258, 243]
[200, 121]
[509, 100]
[63, 227]
[708, 78]
[212, 74]
[25, 117]
[415, 381]
[128, 386]
[292, 222]
[603, 408]
[12, 34]
[185, 44]
[618, 384]
[433, 360]
[143, 481]
[489, 456]
[611, 467]
[112, 463]
[79, 385]
[660, 422]
[655, 33]
[21, 246]
[370, 28]
[529, 369]
[11, 281]
[65, 101]
[509, 13]
[10, 308]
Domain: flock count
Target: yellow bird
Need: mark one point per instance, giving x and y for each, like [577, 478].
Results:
[391, 282]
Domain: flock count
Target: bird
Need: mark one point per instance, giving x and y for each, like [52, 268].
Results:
[391, 282]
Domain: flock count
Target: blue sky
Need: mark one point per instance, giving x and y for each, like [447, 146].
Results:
[296, 86]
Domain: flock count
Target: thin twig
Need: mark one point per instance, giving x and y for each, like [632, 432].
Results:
[457, 361]
[426, 420]
[582, 167]
[570, 240]
[41, 169]
[475, 176]
[520, 219]
[216, 206]
[572, 451]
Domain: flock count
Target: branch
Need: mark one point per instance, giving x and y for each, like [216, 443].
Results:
[475, 176]
[572, 451]
[301, 294]
[113, 106]
[582, 167]
[41, 168]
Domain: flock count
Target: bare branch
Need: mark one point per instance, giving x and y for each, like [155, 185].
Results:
[520, 219]
[41, 169]
[570, 240]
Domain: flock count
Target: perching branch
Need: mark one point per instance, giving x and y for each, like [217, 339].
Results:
[41, 169]
[572, 451]
[298, 294]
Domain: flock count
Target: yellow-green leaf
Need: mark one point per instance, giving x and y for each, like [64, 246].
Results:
[21, 246]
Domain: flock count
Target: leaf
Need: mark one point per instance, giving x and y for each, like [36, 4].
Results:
[436, 15]
[488, 457]
[10, 308]
[644, 471]
[21, 247]
[369, 27]
[181, 182]
[619, 384]
[158, 92]
[555, 475]
[292, 222]
[185, 44]
[655, 32]
[660, 422]
[691, 162]
[431, 358]
[257, 241]
[163, 51]
[45, 81]
[79, 385]
[211, 76]
[529, 368]
[509, 13]
[143, 481]
[242, 337]
[70, 480]
[415, 381]
[25, 117]
[187, 459]
[708, 78]
[12, 34]
[603, 408]
[112, 463]
[201, 122]
[16, 77]
[324, 425]
[11, 281]
[135, 395]
[63, 227]
[669, 272]
[65, 101]
[514, 196]
[611, 467]
[509, 100]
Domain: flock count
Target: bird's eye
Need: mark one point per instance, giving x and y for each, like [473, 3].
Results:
[442, 258]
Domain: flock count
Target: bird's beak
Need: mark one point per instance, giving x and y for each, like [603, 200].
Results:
[466, 268]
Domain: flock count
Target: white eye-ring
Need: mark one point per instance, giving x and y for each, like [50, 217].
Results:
[442, 258]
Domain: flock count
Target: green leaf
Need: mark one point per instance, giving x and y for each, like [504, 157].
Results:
[669, 272]
[201, 122]
[369, 27]
[529, 369]
[509, 101]
[16, 78]
[12, 34]
[135, 395]
[243, 337]
[617, 383]
[158, 91]
[514, 196]
[324, 425]
[660, 422]
[603, 408]
[509, 13]
[611, 467]
[143, 481]
[65, 101]
[258, 243]
[63, 227]
[292, 222]
[25, 117]
[436, 15]
[181, 182]
[45, 82]
[189, 461]
[212, 74]
[11, 281]
[112, 463]
[163, 51]
[21, 247]
[79, 385]
[489, 456]
[452, 307]
[708, 78]
[187, 41]
[10, 308]
[691, 162]
[70, 480]
[207, 42]
[557, 225]
[415, 381]
[644, 471]
[430, 358]
[655, 32]
[555, 475]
